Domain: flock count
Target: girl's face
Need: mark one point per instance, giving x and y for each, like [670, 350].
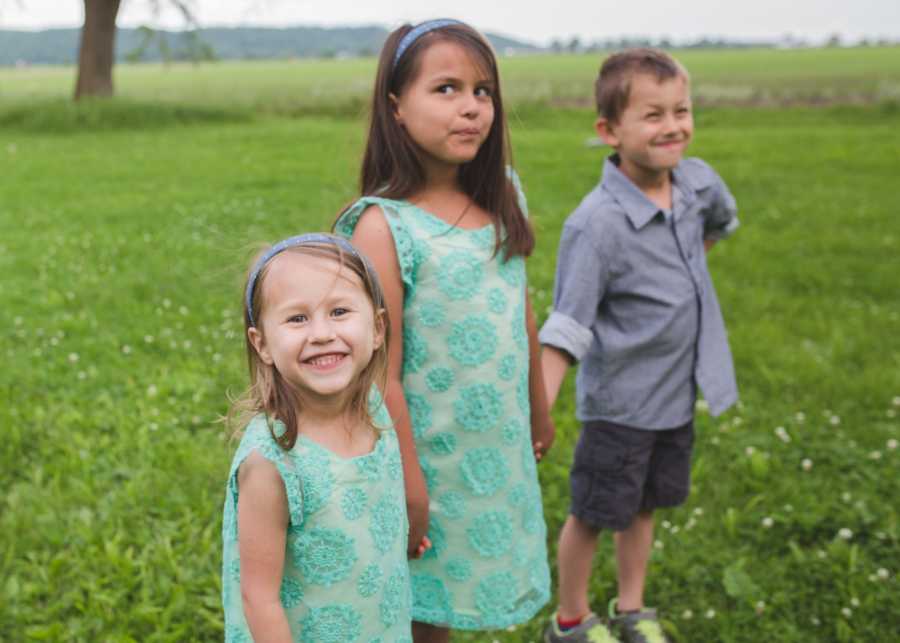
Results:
[318, 327]
[447, 108]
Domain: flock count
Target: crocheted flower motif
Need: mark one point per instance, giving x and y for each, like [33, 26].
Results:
[387, 521]
[369, 580]
[324, 556]
[415, 350]
[495, 595]
[491, 533]
[291, 592]
[519, 329]
[506, 370]
[431, 313]
[473, 340]
[484, 470]
[539, 574]
[353, 503]
[369, 468]
[453, 504]
[396, 598]
[519, 495]
[394, 464]
[520, 554]
[512, 271]
[429, 471]
[430, 594]
[316, 481]
[439, 379]
[523, 396]
[437, 536]
[496, 301]
[529, 464]
[419, 414]
[459, 569]
[331, 624]
[459, 275]
[442, 443]
[533, 515]
[513, 431]
[484, 237]
[234, 634]
[478, 407]
[234, 569]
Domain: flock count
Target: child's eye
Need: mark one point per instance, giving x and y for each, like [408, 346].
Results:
[683, 110]
[297, 319]
[652, 116]
[339, 312]
[483, 91]
[446, 89]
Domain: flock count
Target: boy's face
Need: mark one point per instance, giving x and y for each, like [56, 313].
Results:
[655, 127]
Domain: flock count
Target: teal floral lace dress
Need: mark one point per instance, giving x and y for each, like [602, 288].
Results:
[346, 576]
[465, 377]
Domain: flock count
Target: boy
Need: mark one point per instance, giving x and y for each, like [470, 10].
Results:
[635, 305]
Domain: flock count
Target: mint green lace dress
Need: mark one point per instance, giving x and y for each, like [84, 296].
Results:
[465, 377]
[346, 577]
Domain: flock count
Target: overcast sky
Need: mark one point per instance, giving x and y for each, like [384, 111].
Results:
[533, 20]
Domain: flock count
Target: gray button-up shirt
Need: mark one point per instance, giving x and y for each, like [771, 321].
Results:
[634, 302]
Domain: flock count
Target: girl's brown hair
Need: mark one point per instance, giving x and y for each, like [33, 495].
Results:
[268, 392]
[391, 166]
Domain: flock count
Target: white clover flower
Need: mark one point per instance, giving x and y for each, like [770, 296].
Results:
[186, 344]
[18, 321]
[710, 613]
[782, 434]
[806, 464]
[714, 440]
[73, 357]
[896, 400]
[702, 406]
[891, 444]
[854, 602]
[126, 349]
[183, 310]
[698, 511]
[760, 607]
[658, 544]
[82, 375]
[750, 451]
[152, 391]
[875, 455]
[789, 507]
[148, 339]
[891, 413]
[690, 524]
[846, 497]
[153, 426]
[767, 522]
[882, 573]
[800, 416]
[815, 621]
[675, 529]
[847, 612]
[834, 420]
[666, 524]
[844, 533]
[821, 553]
[166, 303]
[687, 615]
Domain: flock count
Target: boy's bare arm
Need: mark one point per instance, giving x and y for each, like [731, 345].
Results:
[708, 244]
[554, 364]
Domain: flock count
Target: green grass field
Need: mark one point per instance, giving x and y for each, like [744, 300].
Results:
[124, 231]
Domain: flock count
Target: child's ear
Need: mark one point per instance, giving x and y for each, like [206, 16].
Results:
[395, 108]
[259, 344]
[379, 328]
[606, 132]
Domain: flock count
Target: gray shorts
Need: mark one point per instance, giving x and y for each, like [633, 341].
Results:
[619, 471]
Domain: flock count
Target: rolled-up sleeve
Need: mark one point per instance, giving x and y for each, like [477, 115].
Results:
[581, 277]
[721, 216]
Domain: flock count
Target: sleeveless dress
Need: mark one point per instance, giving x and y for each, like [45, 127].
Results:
[346, 577]
[465, 377]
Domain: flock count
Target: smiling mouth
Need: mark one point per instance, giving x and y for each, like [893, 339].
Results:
[326, 361]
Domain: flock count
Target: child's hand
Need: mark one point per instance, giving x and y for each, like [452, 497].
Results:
[417, 510]
[542, 435]
[424, 546]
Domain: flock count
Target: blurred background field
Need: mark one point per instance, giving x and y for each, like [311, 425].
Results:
[125, 227]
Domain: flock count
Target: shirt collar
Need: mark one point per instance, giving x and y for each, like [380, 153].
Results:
[638, 208]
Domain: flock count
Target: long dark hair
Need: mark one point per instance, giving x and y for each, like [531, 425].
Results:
[391, 166]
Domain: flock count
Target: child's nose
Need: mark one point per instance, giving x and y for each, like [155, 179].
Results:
[321, 329]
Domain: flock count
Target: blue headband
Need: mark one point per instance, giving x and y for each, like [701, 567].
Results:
[310, 239]
[418, 31]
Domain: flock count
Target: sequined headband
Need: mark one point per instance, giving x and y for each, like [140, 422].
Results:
[310, 239]
[418, 31]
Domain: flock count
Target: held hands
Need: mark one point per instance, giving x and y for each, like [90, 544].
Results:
[424, 546]
[543, 432]
[417, 509]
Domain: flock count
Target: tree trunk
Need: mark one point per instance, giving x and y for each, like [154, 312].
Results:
[95, 56]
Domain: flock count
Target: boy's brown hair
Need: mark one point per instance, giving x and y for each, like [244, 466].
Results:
[613, 85]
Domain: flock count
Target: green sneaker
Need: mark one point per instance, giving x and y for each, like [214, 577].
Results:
[636, 627]
[591, 630]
